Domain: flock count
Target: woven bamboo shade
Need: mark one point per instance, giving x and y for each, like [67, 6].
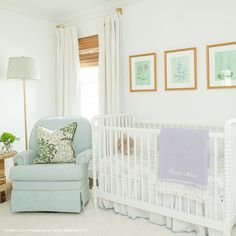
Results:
[89, 51]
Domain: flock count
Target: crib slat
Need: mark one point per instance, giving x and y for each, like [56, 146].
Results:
[112, 122]
[100, 159]
[171, 202]
[188, 205]
[111, 160]
[149, 170]
[135, 166]
[142, 154]
[123, 121]
[156, 168]
[215, 175]
[131, 121]
[180, 203]
[105, 157]
[116, 157]
[197, 208]
[128, 163]
[206, 208]
[164, 199]
[122, 165]
[106, 122]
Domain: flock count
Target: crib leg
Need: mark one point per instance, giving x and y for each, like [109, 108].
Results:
[227, 230]
[95, 201]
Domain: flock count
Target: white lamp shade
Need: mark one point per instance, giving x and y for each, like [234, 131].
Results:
[22, 68]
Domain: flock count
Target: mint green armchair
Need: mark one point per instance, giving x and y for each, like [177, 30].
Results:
[52, 187]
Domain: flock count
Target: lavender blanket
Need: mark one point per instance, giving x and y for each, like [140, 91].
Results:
[184, 156]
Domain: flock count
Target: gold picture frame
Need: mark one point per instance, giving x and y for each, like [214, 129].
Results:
[187, 80]
[143, 72]
[216, 77]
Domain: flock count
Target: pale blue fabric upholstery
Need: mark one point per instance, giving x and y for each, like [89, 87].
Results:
[53, 187]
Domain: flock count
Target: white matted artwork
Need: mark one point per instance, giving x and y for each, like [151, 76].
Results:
[221, 65]
[180, 69]
[143, 72]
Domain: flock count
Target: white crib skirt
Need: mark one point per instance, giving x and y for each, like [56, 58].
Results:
[175, 226]
[170, 223]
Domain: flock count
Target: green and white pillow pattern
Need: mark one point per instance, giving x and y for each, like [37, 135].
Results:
[56, 146]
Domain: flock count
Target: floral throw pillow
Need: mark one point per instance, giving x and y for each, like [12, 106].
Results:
[56, 146]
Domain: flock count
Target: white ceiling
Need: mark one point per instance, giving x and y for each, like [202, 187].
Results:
[56, 10]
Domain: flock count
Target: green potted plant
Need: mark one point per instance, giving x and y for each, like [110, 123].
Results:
[7, 139]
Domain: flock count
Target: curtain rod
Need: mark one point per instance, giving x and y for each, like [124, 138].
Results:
[119, 10]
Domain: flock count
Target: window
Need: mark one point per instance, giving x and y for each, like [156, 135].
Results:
[89, 84]
[89, 92]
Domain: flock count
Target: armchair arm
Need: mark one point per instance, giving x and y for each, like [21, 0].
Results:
[84, 157]
[25, 157]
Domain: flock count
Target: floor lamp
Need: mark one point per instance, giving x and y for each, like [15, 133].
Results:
[24, 68]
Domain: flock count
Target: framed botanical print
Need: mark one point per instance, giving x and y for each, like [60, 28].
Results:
[221, 65]
[143, 72]
[180, 69]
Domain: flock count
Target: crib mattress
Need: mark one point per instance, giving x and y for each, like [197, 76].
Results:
[147, 169]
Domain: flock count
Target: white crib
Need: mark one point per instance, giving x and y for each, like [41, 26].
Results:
[132, 179]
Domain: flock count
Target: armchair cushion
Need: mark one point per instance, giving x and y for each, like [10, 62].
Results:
[48, 172]
[56, 146]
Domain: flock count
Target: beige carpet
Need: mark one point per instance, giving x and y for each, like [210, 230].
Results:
[89, 223]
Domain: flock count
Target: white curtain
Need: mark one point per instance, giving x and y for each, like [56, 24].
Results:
[109, 53]
[67, 71]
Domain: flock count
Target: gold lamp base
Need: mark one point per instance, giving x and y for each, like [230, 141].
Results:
[25, 116]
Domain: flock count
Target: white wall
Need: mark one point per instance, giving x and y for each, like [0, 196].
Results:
[26, 36]
[87, 28]
[159, 25]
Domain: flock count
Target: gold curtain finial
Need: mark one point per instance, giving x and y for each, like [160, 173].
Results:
[60, 26]
[119, 10]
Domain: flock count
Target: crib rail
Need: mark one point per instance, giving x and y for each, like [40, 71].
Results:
[154, 125]
[121, 120]
[127, 153]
